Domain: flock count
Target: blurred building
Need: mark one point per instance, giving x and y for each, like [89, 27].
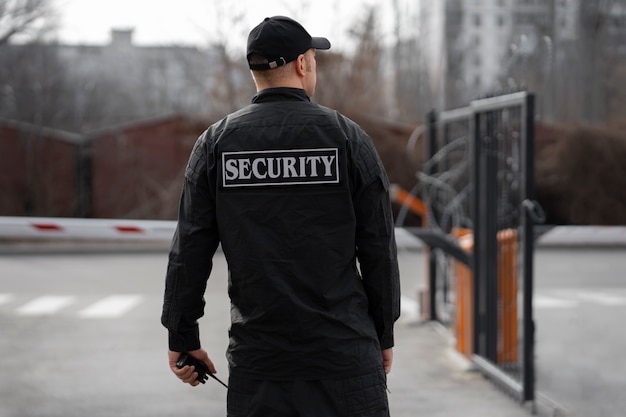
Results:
[571, 52]
[145, 80]
[472, 43]
[82, 87]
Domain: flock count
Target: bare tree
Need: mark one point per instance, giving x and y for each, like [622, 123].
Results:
[230, 86]
[602, 22]
[28, 18]
[413, 93]
[32, 84]
[29, 74]
[355, 84]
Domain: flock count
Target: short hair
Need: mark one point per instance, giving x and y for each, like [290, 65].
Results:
[256, 59]
[269, 74]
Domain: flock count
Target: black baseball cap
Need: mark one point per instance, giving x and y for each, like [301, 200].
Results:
[280, 40]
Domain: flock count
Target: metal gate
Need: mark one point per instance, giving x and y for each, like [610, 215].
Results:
[478, 187]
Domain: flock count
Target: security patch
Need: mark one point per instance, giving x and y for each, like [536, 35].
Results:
[280, 167]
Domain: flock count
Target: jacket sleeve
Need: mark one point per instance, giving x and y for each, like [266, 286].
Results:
[190, 259]
[375, 240]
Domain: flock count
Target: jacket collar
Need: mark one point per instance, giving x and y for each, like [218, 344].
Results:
[280, 94]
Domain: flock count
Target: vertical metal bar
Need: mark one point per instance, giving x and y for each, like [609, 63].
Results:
[431, 150]
[475, 152]
[444, 166]
[490, 231]
[529, 323]
[83, 180]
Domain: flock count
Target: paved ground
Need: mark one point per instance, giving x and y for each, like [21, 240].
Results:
[61, 355]
[63, 352]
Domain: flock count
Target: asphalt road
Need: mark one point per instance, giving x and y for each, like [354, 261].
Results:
[580, 307]
[56, 360]
[81, 333]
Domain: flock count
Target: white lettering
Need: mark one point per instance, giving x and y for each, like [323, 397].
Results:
[255, 168]
[314, 161]
[302, 160]
[328, 163]
[280, 167]
[273, 170]
[289, 166]
[231, 169]
[244, 169]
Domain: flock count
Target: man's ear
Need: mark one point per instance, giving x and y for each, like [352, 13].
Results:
[301, 65]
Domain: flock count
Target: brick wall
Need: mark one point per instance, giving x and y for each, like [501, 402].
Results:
[37, 173]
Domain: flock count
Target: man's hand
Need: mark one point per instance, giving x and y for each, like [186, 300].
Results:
[387, 359]
[187, 374]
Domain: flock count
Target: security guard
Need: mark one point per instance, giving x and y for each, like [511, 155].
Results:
[297, 196]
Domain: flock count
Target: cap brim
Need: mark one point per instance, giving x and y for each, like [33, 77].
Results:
[320, 43]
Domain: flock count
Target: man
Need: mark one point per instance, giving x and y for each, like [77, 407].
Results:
[296, 194]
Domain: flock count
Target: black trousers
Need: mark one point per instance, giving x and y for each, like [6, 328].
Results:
[362, 396]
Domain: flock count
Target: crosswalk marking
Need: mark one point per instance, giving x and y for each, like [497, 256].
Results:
[409, 308]
[113, 306]
[45, 305]
[543, 301]
[118, 305]
[602, 298]
[5, 298]
[567, 298]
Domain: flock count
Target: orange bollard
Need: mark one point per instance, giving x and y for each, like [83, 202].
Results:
[464, 321]
[507, 296]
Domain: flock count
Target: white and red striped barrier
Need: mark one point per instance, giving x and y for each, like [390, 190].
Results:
[72, 228]
[113, 229]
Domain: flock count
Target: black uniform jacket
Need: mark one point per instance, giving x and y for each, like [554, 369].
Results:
[297, 196]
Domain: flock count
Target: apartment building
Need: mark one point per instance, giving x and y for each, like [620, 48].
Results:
[566, 50]
[470, 44]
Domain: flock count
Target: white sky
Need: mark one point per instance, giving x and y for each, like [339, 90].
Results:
[199, 22]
